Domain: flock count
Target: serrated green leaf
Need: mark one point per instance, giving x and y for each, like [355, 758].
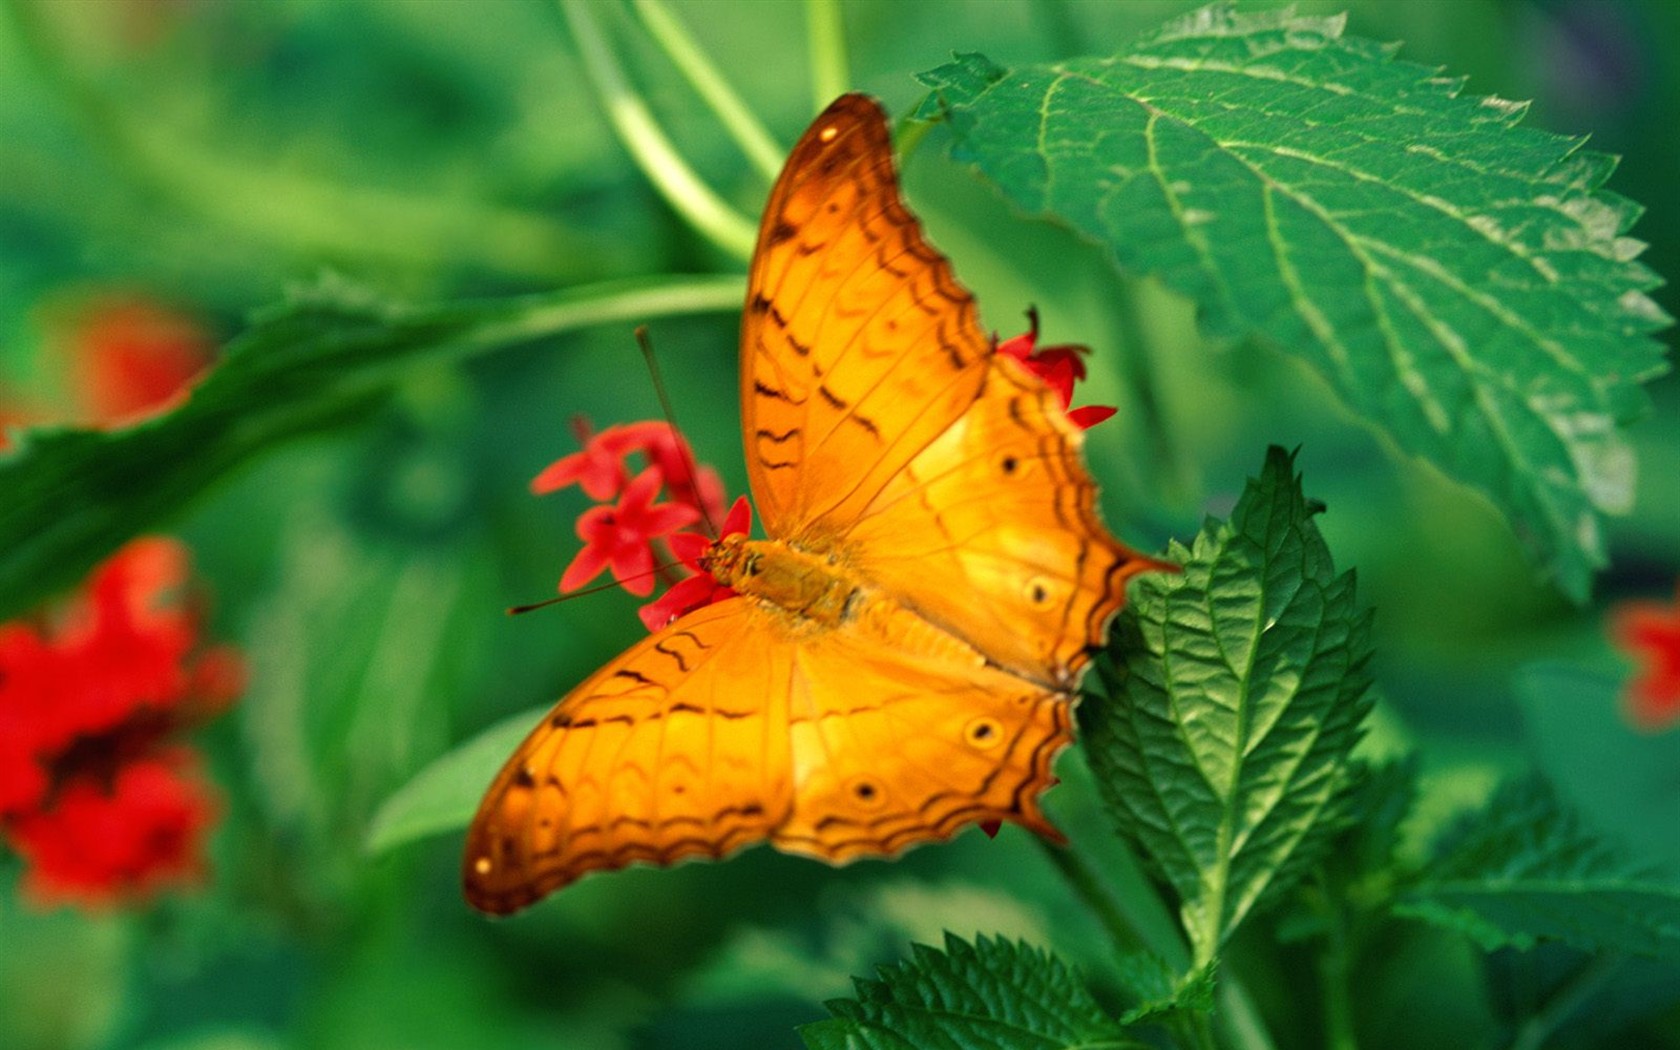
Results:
[1238, 687]
[1527, 869]
[1162, 993]
[443, 796]
[321, 359]
[991, 994]
[1463, 282]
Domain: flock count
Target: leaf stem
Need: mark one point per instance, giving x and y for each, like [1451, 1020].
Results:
[1566, 1000]
[653, 152]
[1122, 933]
[742, 124]
[827, 35]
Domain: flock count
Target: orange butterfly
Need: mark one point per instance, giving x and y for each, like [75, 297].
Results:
[902, 656]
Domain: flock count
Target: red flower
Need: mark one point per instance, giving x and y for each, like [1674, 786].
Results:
[130, 358]
[1650, 633]
[90, 793]
[621, 536]
[600, 469]
[1059, 366]
[127, 838]
[700, 589]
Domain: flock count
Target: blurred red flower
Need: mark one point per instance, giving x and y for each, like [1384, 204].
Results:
[88, 706]
[96, 793]
[1650, 633]
[130, 358]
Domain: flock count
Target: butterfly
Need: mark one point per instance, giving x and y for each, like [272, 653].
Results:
[903, 652]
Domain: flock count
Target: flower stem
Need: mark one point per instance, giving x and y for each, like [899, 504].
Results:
[654, 153]
[829, 78]
[745, 127]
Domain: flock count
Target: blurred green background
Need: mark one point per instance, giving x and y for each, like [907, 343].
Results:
[204, 155]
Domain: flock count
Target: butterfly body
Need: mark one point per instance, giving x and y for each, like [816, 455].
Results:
[903, 651]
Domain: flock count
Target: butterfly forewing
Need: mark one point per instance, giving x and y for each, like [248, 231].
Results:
[858, 347]
[678, 748]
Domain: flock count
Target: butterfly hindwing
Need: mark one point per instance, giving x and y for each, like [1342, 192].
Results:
[909, 742]
[992, 533]
[678, 748]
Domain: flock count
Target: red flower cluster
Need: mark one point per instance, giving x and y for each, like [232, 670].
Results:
[93, 794]
[620, 534]
[1650, 633]
[1058, 366]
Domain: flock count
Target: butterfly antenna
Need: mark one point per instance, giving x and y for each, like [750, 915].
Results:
[517, 610]
[645, 342]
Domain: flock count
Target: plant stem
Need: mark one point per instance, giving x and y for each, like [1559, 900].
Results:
[829, 78]
[749, 133]
[1334, 967]
[652, 150]
[1239, 1019]
[1086, 886]
[1566, 1000]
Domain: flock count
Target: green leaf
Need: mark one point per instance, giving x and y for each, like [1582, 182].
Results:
[1620, 780]
[319, 360]
[1162, 993]
[992, 994]
[1527, 869]
[1238, 686]
[1463, 282]
[444, 795]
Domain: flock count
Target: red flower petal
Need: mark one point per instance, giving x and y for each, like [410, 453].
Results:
[1650, 633]
[688, 547]
[685, 596]
[132, 358]
[739, 521]
[1087, 416]
[98, 846]
[585, 566]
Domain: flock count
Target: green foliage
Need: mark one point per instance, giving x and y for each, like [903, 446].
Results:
[1527, 869]
[1238, 687]
[1463, 282]
[991, 994]
[443, 796]
[1162, 994]
[324, 358]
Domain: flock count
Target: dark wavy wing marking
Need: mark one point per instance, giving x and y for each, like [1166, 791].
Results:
[678, 748]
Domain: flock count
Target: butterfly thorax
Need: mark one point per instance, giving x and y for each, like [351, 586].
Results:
[813, 587]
